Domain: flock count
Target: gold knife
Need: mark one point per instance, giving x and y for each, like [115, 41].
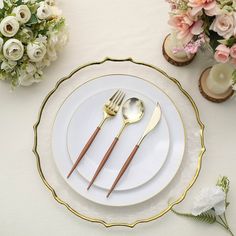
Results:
[155, 119]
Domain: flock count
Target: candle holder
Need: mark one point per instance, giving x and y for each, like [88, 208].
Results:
[215, 83]
[179, 58]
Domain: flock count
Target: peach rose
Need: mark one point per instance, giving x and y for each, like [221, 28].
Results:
[233, 51]
[222, 53]
[198, 5]
[186, 26]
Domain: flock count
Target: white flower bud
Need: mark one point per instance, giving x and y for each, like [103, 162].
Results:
[13, 50]
[9, 26]
[44, 11]
[23, 13]
[36, 51]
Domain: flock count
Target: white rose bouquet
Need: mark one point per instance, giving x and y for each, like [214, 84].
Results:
[211, 204]
[31, 34]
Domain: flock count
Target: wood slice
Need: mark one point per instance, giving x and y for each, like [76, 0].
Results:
[170, 56]
[206, 93]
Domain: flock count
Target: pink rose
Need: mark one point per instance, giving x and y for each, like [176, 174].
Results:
[198, 5]
[186, 26]
[222, 53]
[223, 25]
[233, 51]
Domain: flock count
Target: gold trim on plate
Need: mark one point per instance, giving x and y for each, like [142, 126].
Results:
[100, 221]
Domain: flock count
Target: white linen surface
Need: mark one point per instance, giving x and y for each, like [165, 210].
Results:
[118, 29]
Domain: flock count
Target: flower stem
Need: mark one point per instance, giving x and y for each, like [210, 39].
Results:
[224, 224]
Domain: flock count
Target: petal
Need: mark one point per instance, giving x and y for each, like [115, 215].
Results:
[197, 28]
[196, 10]
[223, 48]
[210, 5]
[220, 207]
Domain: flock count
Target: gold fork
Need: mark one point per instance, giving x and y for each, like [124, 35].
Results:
[110, 109]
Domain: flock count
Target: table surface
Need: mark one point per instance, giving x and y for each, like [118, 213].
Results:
[118, 29]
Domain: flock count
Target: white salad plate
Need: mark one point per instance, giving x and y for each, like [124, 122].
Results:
[147, 161]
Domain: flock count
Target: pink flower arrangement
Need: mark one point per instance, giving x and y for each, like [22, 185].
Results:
[213, 22]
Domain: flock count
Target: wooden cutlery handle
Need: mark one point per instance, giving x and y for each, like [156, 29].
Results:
[104, 160]
[123, 169]
[84, 150]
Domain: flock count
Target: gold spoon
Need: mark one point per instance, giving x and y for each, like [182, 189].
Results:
[154, 121]
[132, 111]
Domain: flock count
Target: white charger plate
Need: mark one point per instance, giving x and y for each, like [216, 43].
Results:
[160, 180]
[88, 115]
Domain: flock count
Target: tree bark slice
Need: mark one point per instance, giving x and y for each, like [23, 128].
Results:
[206, 93]
[171, 58]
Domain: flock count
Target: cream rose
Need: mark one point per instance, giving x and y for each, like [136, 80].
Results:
[223, 25]
[36, 51]
[44, 11]
[13, 49]
[23, 13]
[9, 26]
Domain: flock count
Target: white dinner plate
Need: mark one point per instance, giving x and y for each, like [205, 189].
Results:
[147, 161]
[135, 86]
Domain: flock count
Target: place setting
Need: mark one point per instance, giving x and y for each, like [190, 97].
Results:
[118, 141]
[117, 147]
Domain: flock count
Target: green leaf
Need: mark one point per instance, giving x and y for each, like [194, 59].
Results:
[19, 2]
[33, 20]
[231, 42]
[205, 217]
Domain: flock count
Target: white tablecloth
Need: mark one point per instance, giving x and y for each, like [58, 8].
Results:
[118, 29]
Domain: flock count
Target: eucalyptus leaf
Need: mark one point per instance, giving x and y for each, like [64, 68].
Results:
[33, 20]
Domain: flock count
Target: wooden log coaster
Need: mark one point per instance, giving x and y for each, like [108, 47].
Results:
[206, 93]
[170, 56]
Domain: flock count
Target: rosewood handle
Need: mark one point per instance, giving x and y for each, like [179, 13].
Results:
[123, 169]
[84, 150]
[104, 160]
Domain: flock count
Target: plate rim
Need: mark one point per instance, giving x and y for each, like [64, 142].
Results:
[170, 205]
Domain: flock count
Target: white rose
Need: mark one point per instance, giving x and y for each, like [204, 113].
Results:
[8, 65]
[55, 11]
[9, 26]
[44, 11]
[36, 51]
[25, 79]
[13, 49]
[23, 13]
[51, 54]
[27, 76]
[209, 198]
[223, 25]
[30, 69]
[1, 43]
[58, 40]
[62, 39]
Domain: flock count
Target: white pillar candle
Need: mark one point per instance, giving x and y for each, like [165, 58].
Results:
[219, 79]
[177, 44]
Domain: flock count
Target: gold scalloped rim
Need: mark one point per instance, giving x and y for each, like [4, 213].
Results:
[100, 221]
